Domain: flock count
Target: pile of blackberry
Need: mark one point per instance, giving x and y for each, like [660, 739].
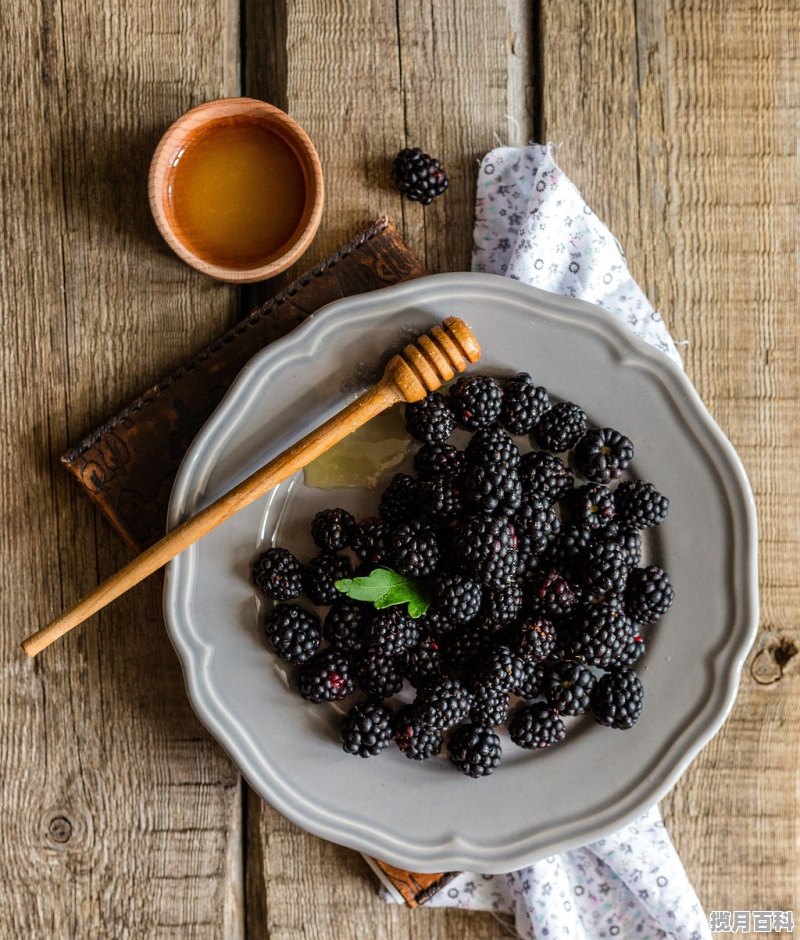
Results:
[530, 551]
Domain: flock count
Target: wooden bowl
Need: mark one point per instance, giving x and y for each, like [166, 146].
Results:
[199, 121]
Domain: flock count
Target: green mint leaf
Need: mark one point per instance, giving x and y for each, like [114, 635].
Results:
[386, 588]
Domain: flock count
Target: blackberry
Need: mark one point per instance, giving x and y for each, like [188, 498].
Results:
[487, 548]
[648, 594]
[379, 675]
[435, 623]
[544, 476]
[551, 595]
[293, 632]
[629, 540]
[418, 176]
[534, 638]
[568, 547]
[492, 446]
[391, 632]
[321, 574]
[639, 504]
[367, 729]
[603, 568]
[278, 574]
[590, 506]
[440, 499]
[474, 750]
[430, 420]
[466, 647]
[442, 705]
[369, 540]
[631, 652]
[489, 707]
[523, 404]
[435, 460]
[326, 677]
[532, 680]
[502, 602]
[560, 428]
[535, 726]
[476, 401]
[413, 549]
[457, 597]
[415, 740]
[399, 499]
[493, 488]
[423, 662]
[537, 526]
[617, 699]
[333, 529]
[602, 454]
[501, 670]
[598, 635]
[343, 627]
[567, 687]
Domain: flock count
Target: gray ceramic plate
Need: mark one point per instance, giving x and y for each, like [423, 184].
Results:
[427, 817]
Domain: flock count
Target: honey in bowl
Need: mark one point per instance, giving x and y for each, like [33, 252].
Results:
[237, 192]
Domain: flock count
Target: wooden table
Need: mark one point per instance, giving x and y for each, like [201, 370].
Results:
[678, 120]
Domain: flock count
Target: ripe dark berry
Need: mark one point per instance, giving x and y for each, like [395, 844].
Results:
[535, 726]
[648, 594]
[502, 602]
[457, 597]
[567, 687]
[326, 677]
[590, 506]
[369, 540]
[321, 574]
[414, 549]
[475, 751]
[418, 176]
[434, 460]
[489, 707]
[423, 663]
[367, 729]
[476, 401]
[333, 529]
[415, 740]
[523, 404]
[639, 504]
[431, 419]
[399, 499]
[533, 678]
[603, 568]
[544, 476]
[537, 526]
[561, 427]
[598, 635]
[492, 488]
[441, 499]
[293, 632]
[344, 625]
[278, 574]
[491, 447]
[568, 547]
[629, 540]
[551, 595]
[534, 638]
[379, 675]
[391, 632]
[617, 699]
[501, 670]
[442, 705]
[602, 454]
[487, 548]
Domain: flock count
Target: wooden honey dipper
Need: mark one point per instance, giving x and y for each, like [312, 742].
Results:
[421, 368]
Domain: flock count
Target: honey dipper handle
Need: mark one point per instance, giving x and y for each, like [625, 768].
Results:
[370, 404]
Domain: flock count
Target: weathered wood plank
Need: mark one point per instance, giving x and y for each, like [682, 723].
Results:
[121, 814]
[678, 122]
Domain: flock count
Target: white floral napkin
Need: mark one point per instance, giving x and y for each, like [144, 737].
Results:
[532, 224]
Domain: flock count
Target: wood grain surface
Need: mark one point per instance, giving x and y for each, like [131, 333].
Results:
[679, 122]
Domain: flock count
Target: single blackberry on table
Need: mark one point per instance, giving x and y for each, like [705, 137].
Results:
[500, 670]
[603, 568]
[293, 632]
[545, 476]
[639, 505]
[441, 499]
[321, 574]
[568, 547]
[369, 540]
[561, 427]
[474, 750]
[325, 678]
[487, 548]
[333, 529]
[430, 420]
[492, 446]
[590, 506]
[534, 638]
[423, 662]
[617, 699]
[523, 404]
[442, 705]
[476, 401]
[278, 574]
[458, 598]
[532, 680]
[598, 635]
[435, 460]
[399, 501]
[535, 726]
[551, 595]
[489, 707]
[378, 674]
[415, 740]
[367, 729]
[629, 540]
[602, 454]
[414, 549]
[492, 488]
[648, 594]
[343, 626]
[418, 175]
[391, 631]
[502, 602]
[537, 526]
[567, 687]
